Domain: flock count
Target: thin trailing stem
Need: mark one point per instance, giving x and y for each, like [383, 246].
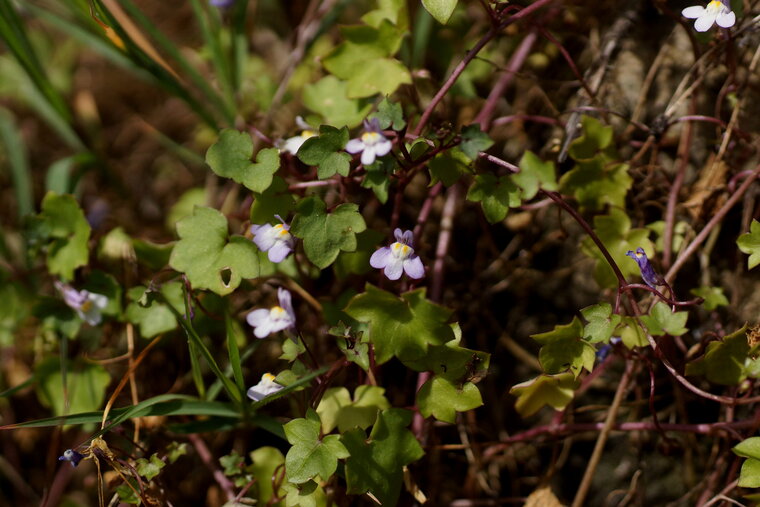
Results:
[471, 54]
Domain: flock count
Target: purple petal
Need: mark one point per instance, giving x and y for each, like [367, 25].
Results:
[355, 146]
[286, 303]
[726, 19]
[693, 12]
[381, 258]
[705, 21]
[408, 238]
[383, 147]
[398, 234]
[264, 329]
[263, 238]
[368, 155]
[394, 268]
[414, 268]
[279, 251]
[257, 317]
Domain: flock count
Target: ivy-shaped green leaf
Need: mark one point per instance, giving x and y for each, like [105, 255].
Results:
[601, 323]
[326, 151]
[723, 363]
[364, 60]
[175, 450]
[597, 182]
[377, 177]
[442, 398]
[453, 362]
[210, 259]
[308, 494]
[328, 97]
[376, 465]
[564, 348]
[156, 317]
[325, 234]
[264, 463]
[594, 138]
[337, 409]
[618, 237]
[474, 141]
[64, 227]
[381, 75]
[713, 297]
[495, 195]
[631, 333]
[553, 390]
[311, 455]
[150, 468]
[390, 114]
[441, 10]
[230, 157]
[749, 477]
[401, 327]
[86, 385]
[749, 243]
[448, 167]
[275, 200]
[661, 320]
[534, 174]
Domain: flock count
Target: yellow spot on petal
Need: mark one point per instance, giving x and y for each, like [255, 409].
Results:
[276, 312]
[268, 376]
[86, 306]
[370, 137]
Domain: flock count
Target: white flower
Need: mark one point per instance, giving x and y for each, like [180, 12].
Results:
[371, 144]
[292, 144]
[264, 388]
[715, 12]
[88, 305]
[277, 318]
[398, 258]
[276, 240]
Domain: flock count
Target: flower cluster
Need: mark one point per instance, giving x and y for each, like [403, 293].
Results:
[264, 388]
[276, 240]
[716, 12]
[88, 305]
[371, 144]
[277, 318]
[398, 258]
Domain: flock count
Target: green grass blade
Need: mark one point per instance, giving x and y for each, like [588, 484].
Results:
[234, 352]
[15, 151]
[211, 37]
[164, 405]
[240, 42]
[13, 34]
[173, 52]
[229, 386]
[163, 77]
[13, 390]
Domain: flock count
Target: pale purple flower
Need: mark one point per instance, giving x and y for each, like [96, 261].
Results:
[276, 240]
[88, 305]
[264, 388]
[292, 144]
[398, 258]
[716, 12]
[648, 273]
[371, 144]
[277, 318]
[71, 456]
[222, 4]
